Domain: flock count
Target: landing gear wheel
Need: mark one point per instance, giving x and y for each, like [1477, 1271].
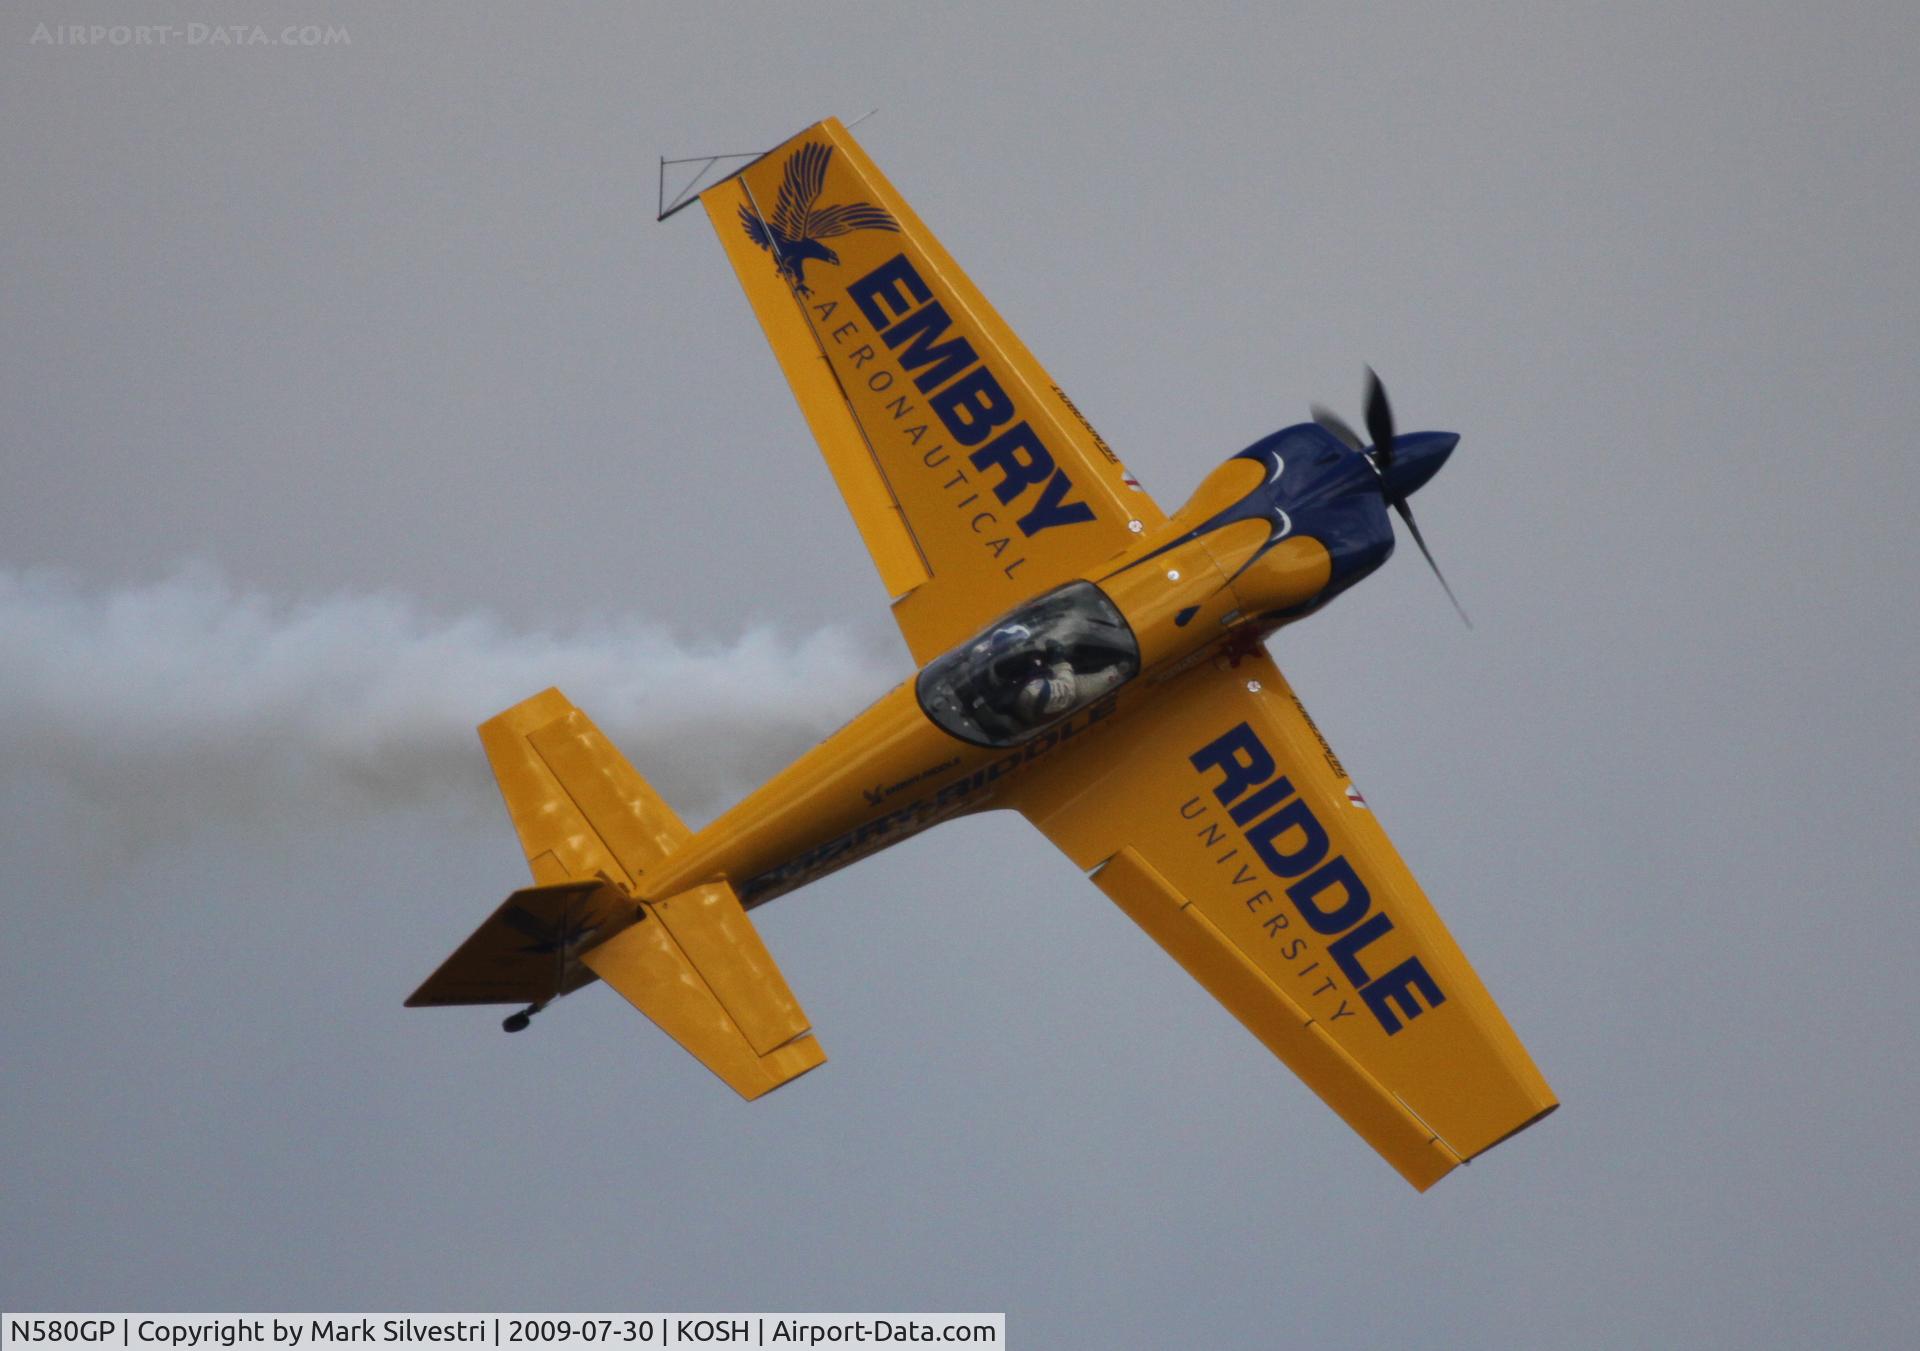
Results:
[519, 1022]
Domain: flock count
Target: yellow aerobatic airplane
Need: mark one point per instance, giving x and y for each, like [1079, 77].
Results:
[1085, 660]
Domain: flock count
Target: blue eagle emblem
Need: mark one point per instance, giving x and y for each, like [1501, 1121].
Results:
[793, 235]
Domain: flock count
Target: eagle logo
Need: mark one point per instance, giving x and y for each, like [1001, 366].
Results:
[793, 235]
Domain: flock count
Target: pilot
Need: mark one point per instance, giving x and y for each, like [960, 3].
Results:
[1002, 662]
[995, 666]
[1030, 680]
[1046, 694]
[1057, 688]
[1008, 642]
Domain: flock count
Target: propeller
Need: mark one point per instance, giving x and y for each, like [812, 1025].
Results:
[1336, 424]
[1380, 428]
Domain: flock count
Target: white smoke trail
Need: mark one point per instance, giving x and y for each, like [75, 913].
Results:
[162, 704]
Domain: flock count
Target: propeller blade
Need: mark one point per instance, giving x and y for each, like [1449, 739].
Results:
[1379, 420]
[1334, 423]
[1406, 514]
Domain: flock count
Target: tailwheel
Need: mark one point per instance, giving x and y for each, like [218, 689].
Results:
[519, 1022]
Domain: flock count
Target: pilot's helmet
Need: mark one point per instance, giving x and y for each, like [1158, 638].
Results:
[1009, 638]
[1009, 650]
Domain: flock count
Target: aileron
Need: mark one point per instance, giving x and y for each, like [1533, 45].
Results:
[1267, 1011]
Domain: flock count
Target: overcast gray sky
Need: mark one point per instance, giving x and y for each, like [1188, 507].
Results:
[352, 392]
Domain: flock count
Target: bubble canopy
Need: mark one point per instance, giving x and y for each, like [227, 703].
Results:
[1031, 667]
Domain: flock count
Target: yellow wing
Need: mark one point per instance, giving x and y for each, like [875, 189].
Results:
[1222, 823]
[973, 479]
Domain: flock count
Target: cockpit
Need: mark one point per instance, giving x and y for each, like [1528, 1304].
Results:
[1031, 667]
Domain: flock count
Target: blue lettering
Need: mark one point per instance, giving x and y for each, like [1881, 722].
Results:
[1023, 462]
[1242, 761]
[1345, 950]
[1331, 898]
[971, 402]
[1020, 458]
[1053, 508]
[895, 285]
[1303, 856]
[1397, 988]
[1265, 800]
[972, 406]
[1353, 903]
[920, 331]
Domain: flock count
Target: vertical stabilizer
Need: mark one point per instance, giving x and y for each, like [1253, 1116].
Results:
[581, 810]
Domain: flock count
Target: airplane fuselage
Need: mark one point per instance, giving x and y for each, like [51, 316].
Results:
[1267, 538]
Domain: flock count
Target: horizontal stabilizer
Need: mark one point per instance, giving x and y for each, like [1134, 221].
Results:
[696, 966]
[528, 951]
